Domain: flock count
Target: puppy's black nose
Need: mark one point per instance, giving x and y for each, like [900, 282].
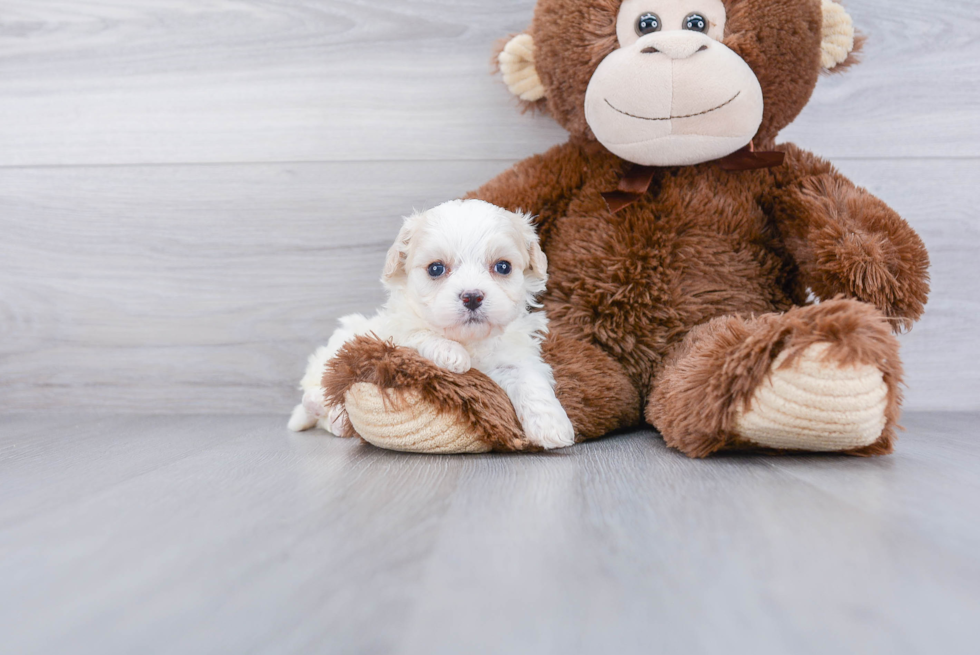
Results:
[472, 299]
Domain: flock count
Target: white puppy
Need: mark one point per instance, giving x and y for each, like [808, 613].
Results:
[461, 279]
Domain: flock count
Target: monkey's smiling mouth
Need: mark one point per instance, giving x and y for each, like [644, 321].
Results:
[670, 118]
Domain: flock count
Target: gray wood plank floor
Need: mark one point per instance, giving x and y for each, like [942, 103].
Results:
[231, 535]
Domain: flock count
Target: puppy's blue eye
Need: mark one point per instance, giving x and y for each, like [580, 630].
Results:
[436, 269]
[502, 268]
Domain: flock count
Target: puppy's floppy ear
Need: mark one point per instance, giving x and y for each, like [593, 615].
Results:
[398, 253]
[537, 261]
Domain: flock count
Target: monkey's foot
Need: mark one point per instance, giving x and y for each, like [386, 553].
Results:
[396, 399]
[408, 424]
[815, 403]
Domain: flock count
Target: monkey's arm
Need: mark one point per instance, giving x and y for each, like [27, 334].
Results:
[845, 240]
[541, 185]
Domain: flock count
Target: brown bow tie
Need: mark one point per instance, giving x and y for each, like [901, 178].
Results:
[636, 182]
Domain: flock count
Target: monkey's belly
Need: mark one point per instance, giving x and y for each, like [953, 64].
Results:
[636, 289]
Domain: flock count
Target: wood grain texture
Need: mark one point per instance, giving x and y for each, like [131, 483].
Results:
[219, 534]
[203, 289]
[184, 81]
[191, 192]
[128, 285]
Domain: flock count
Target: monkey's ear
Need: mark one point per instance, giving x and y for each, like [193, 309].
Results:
[840, 45]
[516, 64]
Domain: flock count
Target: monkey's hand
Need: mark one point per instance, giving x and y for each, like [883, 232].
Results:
[849, 243]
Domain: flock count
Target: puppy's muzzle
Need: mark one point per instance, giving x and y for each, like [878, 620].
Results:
[472, 299]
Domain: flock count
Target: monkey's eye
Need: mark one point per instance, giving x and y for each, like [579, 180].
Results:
[647, 24]
[696, 23]
[502, 268]
[436, 269]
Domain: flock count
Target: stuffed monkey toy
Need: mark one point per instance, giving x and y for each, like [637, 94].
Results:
[732, 292]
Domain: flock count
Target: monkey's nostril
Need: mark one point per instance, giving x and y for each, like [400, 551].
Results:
[649, 51]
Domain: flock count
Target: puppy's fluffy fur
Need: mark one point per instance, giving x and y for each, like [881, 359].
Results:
[461, 279]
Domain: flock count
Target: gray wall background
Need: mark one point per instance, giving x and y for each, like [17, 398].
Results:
[191, 191]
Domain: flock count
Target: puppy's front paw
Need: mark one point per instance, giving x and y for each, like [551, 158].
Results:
[548, 427]
[450, 355]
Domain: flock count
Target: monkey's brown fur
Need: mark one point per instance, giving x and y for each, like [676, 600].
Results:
[675, 308]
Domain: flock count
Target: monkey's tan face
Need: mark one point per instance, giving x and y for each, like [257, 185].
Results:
[673, 94]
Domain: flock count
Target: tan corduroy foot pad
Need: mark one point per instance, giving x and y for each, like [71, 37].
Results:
[816, 405]
[417, 428]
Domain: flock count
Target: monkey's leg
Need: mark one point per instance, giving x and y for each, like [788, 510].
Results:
[820, 378]
[397, 400]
